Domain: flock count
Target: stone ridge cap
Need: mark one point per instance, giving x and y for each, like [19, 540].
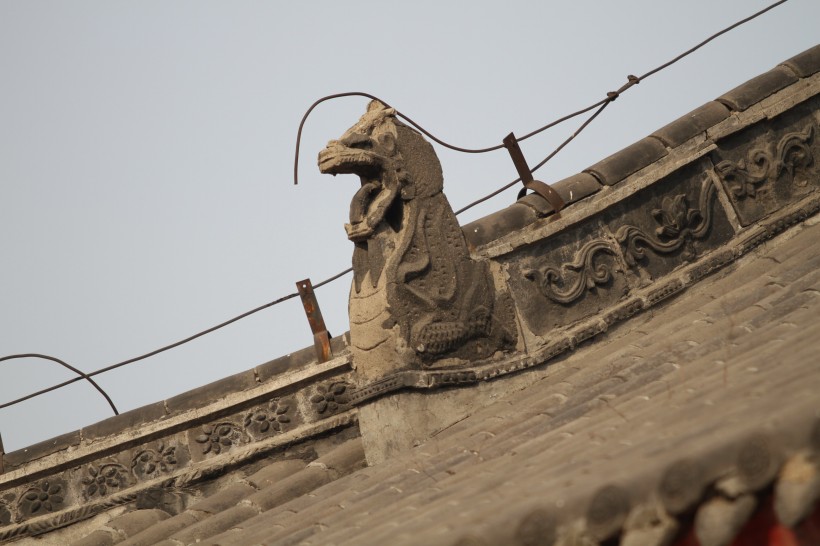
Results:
[181, 478]
[491, 235]
[569, 338]
[81, 444]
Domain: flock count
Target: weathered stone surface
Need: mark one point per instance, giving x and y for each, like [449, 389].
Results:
[418, 300]
[693, 123]
[631, 159]
[805, 64]
[671, 223]
[758, 88]
[41, 449]
[124, 421]
[208, 393]
[772, 163]
[296, 360]
[565, 278]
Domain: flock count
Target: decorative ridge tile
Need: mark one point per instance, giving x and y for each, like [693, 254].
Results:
[620, 165]
[805, 64]
[298, 381]
[758, 88]
[631, 159]
[95, 487]
[563, 340]
[692, 124]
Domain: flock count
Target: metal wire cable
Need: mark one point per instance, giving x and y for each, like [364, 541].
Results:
[542, 163]
[612, 95]
[82, 375]
[600, 105]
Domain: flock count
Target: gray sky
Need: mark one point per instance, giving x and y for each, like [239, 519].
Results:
[146, 156]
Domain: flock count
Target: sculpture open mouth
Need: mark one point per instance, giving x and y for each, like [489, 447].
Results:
[338, 159]
[365, 209]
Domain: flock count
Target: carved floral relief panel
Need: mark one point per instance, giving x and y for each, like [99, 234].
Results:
[671, 223]
[42, 497]
[565, 278]
[261, 421]
[581, 271]
[772, 163]
[112, 477]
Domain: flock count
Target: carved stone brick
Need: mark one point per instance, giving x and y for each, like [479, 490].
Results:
[772, 163]
[5, 510]
[42, 497]
[217, 437]
[758, 88]
[158, 458]
[565, 278]
[671, 223]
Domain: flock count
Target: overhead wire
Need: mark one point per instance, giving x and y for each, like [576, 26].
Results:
[600, 105]
[612, 95]
[81, 375]
[188, 339]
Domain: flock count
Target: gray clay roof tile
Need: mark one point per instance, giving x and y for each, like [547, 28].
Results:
[631, 159]
[645, 378]
[758, 88]
[693, 123]
[805, 64]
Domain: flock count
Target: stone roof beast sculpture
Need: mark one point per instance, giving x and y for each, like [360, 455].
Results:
[418, 299]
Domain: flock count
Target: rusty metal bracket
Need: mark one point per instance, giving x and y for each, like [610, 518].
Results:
[321, 337]
[544, 190]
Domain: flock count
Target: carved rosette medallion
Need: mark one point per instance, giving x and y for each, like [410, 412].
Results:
[154, 461]
[679, 226]
[41, 498]
[272, 418]
[221, 436]
[104, 479]
[330, 398]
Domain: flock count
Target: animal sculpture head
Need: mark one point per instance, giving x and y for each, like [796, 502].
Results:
[375, 149]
